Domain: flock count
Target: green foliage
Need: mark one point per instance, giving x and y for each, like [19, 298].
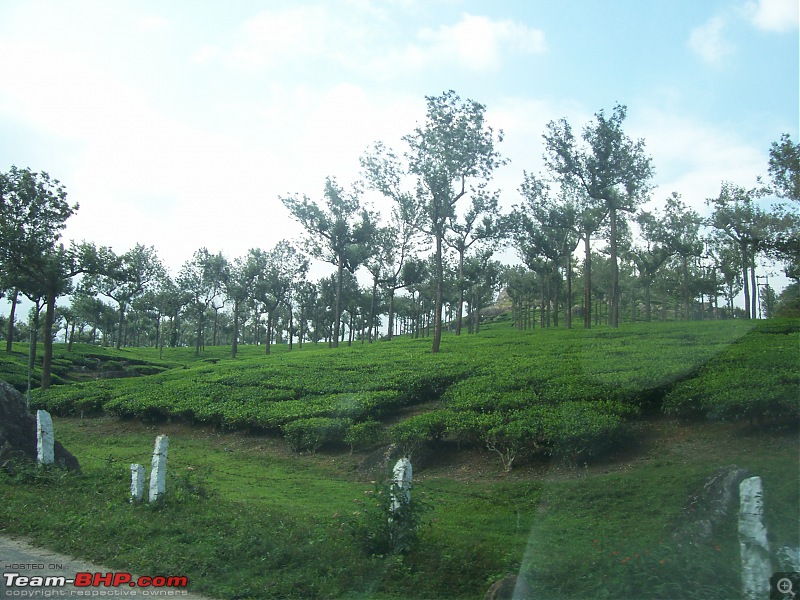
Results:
[366, 434]
[381, 529]
[312, 433]
[419, 429]
[563, 393]
[756, 378]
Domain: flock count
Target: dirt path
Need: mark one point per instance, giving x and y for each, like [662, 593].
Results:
[20, 557]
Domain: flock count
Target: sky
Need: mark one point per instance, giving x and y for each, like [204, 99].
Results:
[179, 124]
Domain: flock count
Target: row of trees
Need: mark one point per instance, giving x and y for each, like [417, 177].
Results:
[436, 243]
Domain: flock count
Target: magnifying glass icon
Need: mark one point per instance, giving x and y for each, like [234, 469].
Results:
[785, 586]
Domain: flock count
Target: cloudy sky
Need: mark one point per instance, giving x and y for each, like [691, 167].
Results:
[178, 124]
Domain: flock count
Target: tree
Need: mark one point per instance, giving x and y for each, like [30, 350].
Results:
[201, 279]
[738, 217]
[33, 213]
[124, 277]
[238, 280]
[611, 169]
[276, 273]
[395, 245]
[651, 257]
[483, 225]
[549, 227]
[784, 168]
[452, 148]
[339, 234]
[680, 236]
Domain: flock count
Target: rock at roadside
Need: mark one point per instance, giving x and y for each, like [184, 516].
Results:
[509, 587]
[18, 434]
[710, 507]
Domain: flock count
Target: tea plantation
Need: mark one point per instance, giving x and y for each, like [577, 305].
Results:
[571, 394]
[566, 457]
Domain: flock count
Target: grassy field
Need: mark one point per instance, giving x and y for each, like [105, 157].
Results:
[247, 516]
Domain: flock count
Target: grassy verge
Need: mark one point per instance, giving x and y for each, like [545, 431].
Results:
[245, 518]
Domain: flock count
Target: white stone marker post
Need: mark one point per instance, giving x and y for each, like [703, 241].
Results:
[159, 468]
[137, 482]
[756, 567]
[44, 438]
[402, 479]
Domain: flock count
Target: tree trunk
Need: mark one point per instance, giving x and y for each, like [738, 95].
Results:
[291, 327]
[686, 293]
[372, 309]
[587, 284]
[269, 333]
[235, 340]
[437, 304]
[71, 335]
[10, 337]
[614, 316]
[647, 309]
[745, 282]
[121, 321]
[557, 298]
[390, 329]
[47, 357]
[460, 312]
[754, 287]
[337, 308]
[569, 291]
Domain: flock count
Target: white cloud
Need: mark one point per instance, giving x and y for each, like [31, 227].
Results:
[774, 15]
[476, 42]
[274, 37]
[152, 22]
[708, 42]
[693, 158]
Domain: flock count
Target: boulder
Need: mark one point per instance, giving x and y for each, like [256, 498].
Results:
[706, 510]
[18, 434]
[509, 587]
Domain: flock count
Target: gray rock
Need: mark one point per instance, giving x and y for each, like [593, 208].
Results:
[709, 507]
[509, 587]
[18, 434]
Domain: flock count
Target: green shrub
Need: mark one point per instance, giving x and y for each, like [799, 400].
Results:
[419, 429]
[311, 434]
[366, 434]
[380, 529]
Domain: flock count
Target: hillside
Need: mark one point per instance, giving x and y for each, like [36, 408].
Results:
[542, 454]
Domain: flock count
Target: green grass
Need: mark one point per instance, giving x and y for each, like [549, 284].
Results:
[247, 517]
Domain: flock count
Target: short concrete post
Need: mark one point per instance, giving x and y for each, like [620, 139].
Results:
[44, 438]
[402, 482]
[158, 468]
[756, 566]
[137, 482]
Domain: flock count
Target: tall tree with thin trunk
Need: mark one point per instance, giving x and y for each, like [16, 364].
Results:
[680, 237]
[339, 233]
[550, 225]
[400, 240]
[481, 225]
[277, 271]
[650, 256]
[610, 168]
[738, 216]
[33, 213]
[452, 148]
[125, 277]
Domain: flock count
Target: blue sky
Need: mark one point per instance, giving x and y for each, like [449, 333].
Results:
[178, 124]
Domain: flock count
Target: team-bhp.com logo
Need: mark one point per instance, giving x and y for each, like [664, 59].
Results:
[16, 581]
